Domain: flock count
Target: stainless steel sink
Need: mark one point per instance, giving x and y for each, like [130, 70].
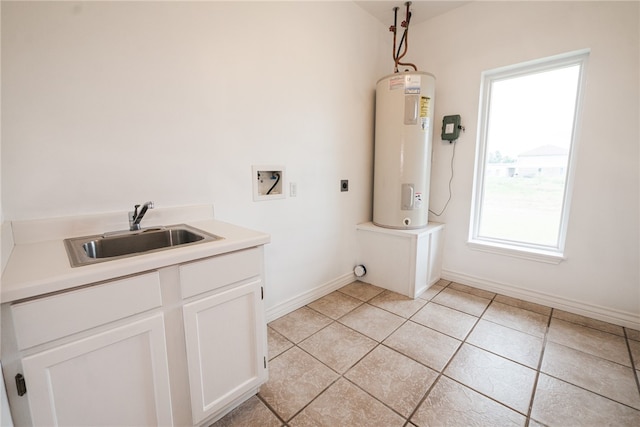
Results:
[106, 247]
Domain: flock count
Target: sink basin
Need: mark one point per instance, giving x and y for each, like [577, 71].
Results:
[106, 247]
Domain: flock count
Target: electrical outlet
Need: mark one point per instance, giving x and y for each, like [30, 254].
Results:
[344, 185]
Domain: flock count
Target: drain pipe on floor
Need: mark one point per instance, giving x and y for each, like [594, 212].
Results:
[359, 270]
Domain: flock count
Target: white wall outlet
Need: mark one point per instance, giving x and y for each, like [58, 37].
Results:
[268, 182]
[293, 189]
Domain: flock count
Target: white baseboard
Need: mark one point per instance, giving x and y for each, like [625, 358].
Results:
[622, 318]
[311, 295]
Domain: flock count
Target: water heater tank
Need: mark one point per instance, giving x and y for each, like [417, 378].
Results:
[403, 133]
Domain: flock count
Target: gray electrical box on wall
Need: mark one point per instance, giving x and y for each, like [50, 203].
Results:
[451, 128]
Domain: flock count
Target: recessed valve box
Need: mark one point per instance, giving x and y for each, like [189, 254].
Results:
[268, 182]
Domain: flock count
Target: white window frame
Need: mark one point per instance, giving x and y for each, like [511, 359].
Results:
[549, 254]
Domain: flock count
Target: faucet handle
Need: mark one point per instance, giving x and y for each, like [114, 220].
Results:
[135, 210]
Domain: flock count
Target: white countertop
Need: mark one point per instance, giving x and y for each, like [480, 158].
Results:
[41, 267]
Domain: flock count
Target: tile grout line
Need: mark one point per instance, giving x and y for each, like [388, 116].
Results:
[464, 341]
[296, 345]
[604, 396]
[432, 386]
[340, 375]
[453, 356]
[633, 364]
[504, 326]
[273, 411]
[378, 344]
[538, 372]
[590, 391]
[381, 343]
[376, 399]
[589, 354]
[539, 368]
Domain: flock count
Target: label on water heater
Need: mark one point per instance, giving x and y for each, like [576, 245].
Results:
[424, 106]
[412, 84]
[424, 112]
[396, 82]
[417, 203]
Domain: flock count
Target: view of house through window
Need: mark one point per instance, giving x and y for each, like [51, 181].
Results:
[529, 116]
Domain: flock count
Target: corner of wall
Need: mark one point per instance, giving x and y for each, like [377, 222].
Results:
[6, 238]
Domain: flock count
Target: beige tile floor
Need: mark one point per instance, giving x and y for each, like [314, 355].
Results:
[456, 356]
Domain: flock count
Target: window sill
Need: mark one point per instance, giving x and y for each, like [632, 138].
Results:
[539, 255]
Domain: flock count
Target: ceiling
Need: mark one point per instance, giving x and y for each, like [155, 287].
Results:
[421, 10]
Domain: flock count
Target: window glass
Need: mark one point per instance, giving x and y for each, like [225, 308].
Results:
[529, 120]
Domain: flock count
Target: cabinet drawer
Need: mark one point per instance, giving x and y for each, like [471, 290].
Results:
[216, 272]
[46, 319]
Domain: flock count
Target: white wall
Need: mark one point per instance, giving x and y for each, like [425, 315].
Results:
[108, 104]
[600, 276]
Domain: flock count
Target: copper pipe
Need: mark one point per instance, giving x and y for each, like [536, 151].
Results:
[409, 64]
[393, 28]
[405, 38]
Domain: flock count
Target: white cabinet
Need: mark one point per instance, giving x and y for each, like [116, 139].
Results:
[92, 356]
[116, 377]
[403, 261]
[224, 338]
[177, 346]
[225, 330]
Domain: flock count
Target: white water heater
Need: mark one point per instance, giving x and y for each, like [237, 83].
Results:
[403, 134]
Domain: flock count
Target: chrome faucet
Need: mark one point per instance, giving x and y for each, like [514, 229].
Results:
[135, 217]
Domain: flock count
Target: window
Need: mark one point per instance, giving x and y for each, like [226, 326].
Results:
[524, 161]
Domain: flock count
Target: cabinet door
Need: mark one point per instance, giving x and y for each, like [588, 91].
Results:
[225, 336]
[116, 377]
